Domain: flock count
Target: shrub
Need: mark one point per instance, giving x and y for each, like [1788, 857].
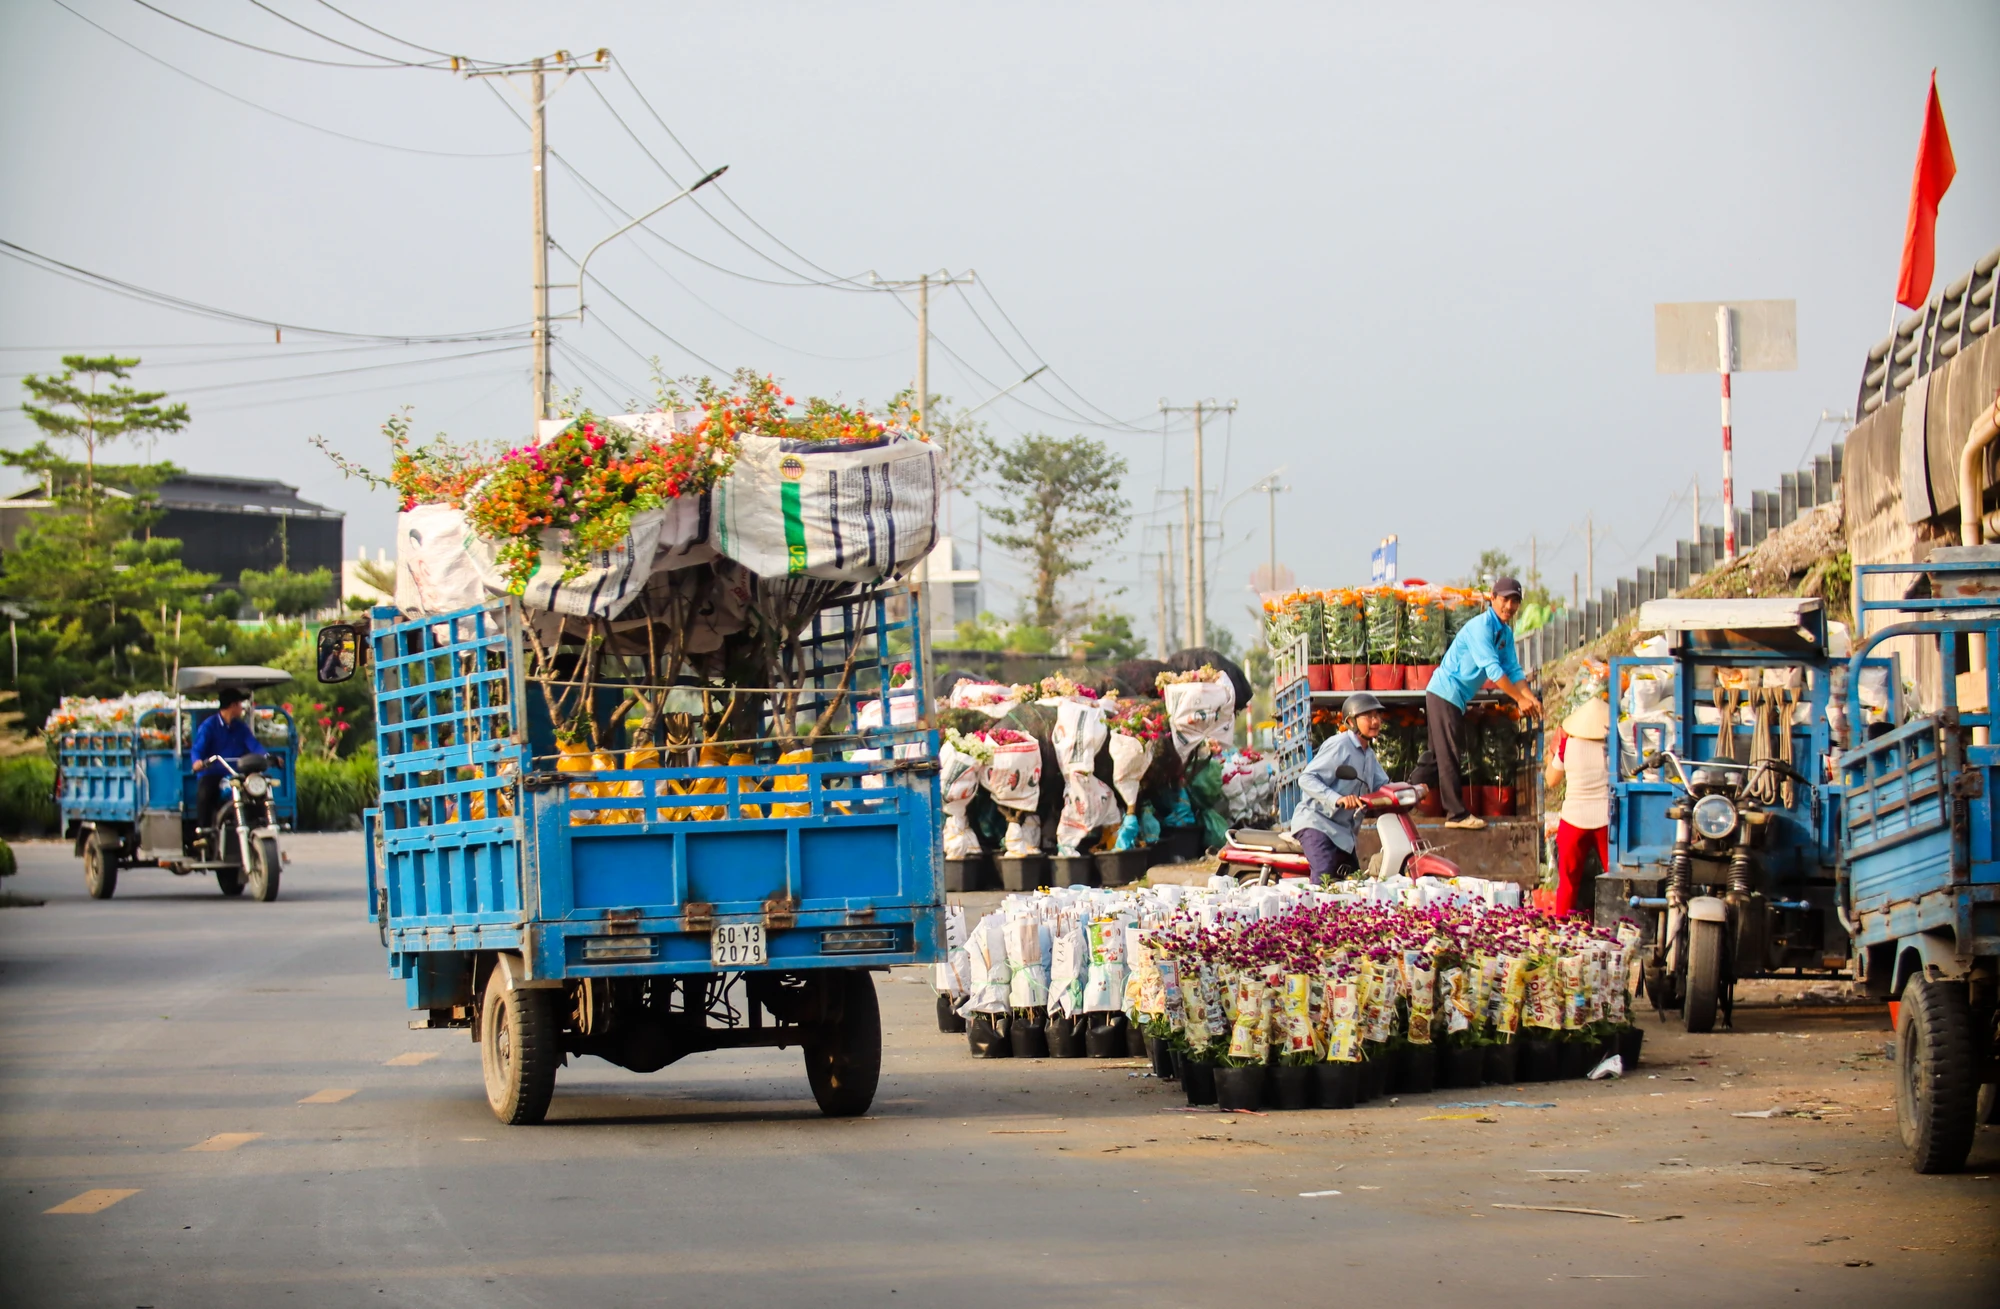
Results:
[27, 795]
[7, 868]
[331, 792]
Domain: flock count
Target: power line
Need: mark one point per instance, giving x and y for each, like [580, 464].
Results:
[444, 54]
[311, 31]
[405, 384]
[343, 372]
[659, 331]
[164, 300]
[266, 109]
[282, 54]
[608, 207]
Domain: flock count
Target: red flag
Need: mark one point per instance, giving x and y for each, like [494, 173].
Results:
[1935, 169]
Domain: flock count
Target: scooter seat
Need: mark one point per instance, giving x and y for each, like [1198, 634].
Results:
[1252, 838]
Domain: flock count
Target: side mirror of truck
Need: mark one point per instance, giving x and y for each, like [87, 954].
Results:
[339, 652]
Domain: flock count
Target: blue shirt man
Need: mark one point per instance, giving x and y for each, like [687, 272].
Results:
[223, 735]
[1482, 652]
[1327, 820]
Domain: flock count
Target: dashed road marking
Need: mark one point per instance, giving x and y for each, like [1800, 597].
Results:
[93, 1202]
[410, 1059]
[223, 1141]
[332, 1095]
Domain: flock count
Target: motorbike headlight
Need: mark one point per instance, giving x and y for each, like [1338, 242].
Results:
[1714, 816]
[257, 786]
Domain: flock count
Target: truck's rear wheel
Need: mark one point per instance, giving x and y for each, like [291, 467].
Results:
[1704, 976]
[1937, 1087]
[100, 870]
[844, 1058]
[519, 1050]
[265, 863]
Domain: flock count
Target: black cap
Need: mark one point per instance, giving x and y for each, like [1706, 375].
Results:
[1507, 586]
[228, 696]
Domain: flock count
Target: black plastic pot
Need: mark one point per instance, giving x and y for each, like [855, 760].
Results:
[1162, 1056]
[1179, 845]
[1335, 1085]
[1418, 1069]
[1291, 1086]
[1030, 1036]
[1629, 1041]
[1121, 867]
[1540, 1060]
[1023, 872]
[1240, 1088]
[1073, 870]
[1447, 1072]
[972, 874]
[947, 1020]
[1135, 1040]
[1198, 1080]
[1577, 1059]
[1468, 1065]
[1503, 1062]
[986, 1034]
[1104, 1035]
[1372, 1078]
[1065, 1036]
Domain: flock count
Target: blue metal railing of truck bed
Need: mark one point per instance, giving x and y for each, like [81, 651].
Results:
[482, 843]
[1919, 823]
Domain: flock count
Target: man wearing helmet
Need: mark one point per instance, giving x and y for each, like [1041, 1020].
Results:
[1327, 820]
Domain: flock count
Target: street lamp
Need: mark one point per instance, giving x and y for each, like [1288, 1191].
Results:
[628, 227]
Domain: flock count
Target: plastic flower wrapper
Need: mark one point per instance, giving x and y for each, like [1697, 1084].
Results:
[1345, 627]
[1247, 1039]
[954, 969]
[1027, 961]
[1069, 953]
[1298, 1027]
[1343, 1028]
[1421, 970]
[990, 978]
[1513, 996]
[1384, 608]
[1544, 1006]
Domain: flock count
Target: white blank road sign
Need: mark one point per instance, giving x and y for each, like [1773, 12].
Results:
[1767, 336]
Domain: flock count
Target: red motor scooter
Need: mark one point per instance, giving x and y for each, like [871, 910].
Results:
[1267, 856]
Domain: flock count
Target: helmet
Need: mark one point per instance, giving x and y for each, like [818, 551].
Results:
[1361, 702]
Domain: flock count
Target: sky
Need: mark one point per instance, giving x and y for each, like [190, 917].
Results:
[1419, 247]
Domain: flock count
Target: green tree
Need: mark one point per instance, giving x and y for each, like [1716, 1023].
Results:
[1059, 496]
[282, 593]
[1109, 638]
[90, 403]
[1223, 641]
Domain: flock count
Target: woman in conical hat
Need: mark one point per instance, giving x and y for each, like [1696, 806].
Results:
[1584, 825]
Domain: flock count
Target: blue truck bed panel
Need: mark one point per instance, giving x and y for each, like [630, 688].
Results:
[479, 844]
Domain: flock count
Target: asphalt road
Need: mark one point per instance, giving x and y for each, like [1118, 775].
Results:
[218, 1103]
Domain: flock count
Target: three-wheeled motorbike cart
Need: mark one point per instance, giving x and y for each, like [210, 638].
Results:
[588, 845]
[1919, 871]
[1725, 824]
[126, 790]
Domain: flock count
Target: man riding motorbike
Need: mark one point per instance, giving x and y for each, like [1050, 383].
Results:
[223, 735]
[1327, 820]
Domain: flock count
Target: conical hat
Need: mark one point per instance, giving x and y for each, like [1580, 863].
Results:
[1591, 721]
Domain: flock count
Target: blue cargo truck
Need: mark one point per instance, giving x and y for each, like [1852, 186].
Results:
[1920, 851]
[586, 846]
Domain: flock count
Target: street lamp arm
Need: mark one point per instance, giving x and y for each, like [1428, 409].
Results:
[629, 226]
[1004, 390]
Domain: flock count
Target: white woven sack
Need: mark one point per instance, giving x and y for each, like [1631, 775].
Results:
[1014, 778]
[1130, 758]
[1078, 736]
[436, 573]
[856, 513]
[1201, 711]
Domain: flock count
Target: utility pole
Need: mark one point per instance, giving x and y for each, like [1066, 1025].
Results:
[538, 128]
[1160, 577]
[1187, 568]
[1198, 531]
[1534, 565]
[922, 284]
[1725, 340]
[1696, 538]
[1168, 563]
[536, 72]
[1591, 553]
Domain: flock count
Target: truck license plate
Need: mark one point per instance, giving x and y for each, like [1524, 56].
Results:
[737, 945]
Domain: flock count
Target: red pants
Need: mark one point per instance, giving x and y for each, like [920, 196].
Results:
[1572, 844]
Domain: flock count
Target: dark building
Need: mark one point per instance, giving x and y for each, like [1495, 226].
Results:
[225, 525]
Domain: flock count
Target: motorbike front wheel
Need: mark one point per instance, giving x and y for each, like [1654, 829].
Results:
[265, 863]
[1704, 975]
